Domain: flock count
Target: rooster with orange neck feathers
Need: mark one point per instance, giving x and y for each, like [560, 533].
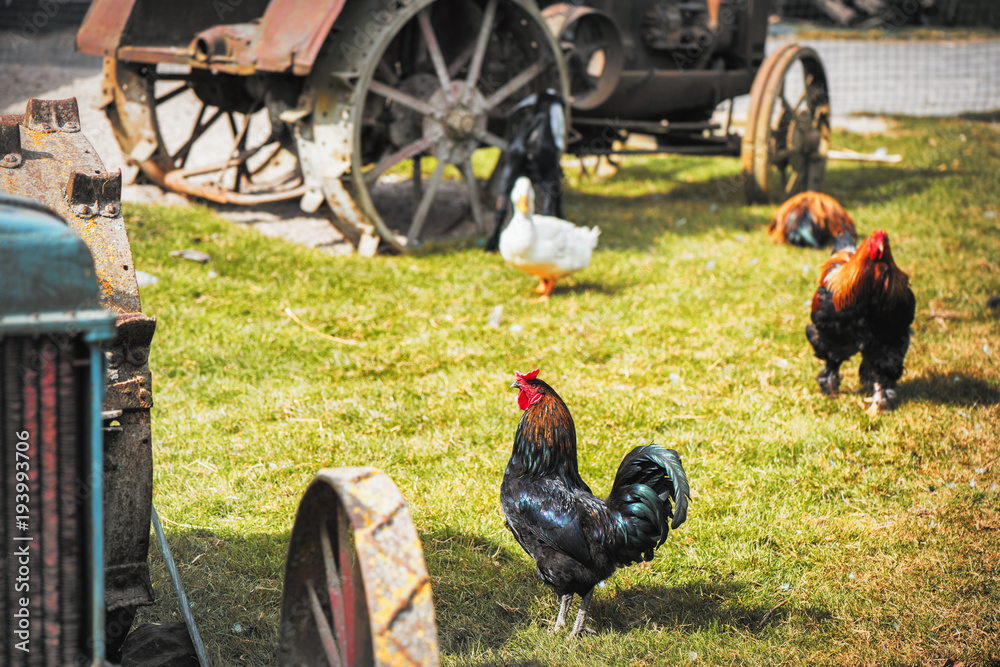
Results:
[863, 304]
[577, 539]
[810, 219]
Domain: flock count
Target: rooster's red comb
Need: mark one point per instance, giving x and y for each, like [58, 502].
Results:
[526, 376]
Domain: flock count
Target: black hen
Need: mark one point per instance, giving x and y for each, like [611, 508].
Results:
[577, 539]
[534, 152]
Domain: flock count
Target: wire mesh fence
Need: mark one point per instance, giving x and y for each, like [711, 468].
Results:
[891, 14]
[886, 63]
[881, 56]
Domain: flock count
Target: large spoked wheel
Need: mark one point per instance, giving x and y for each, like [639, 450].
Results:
[200, 133]
[356, 587]
[422, 122]
[787, 136]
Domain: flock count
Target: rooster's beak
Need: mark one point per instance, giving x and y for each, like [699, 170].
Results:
[514, 385]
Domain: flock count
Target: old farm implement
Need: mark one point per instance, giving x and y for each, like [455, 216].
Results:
[76, 477]
[395, 113]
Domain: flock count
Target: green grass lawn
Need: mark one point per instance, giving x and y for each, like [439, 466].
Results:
[816, 534]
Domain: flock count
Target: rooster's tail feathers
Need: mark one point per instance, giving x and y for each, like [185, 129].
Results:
[659, 469]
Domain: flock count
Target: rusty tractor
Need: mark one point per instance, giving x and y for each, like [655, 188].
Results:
[45, 159]
[76, 478]
[396, 113]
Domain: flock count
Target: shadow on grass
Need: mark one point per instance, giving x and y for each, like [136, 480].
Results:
[610, 289]
[695, 606]
[484, 593]
[868, 185]
[943, 388]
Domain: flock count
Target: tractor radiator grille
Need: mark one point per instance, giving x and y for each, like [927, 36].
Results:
[43, 410]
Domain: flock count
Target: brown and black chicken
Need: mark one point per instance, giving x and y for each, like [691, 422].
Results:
[577, 539]
[810, 219]
[863, 304]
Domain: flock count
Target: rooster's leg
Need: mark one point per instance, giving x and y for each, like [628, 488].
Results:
[581, 616]
[550, 284]
[829, 379]
[563, 608]
[540, 289]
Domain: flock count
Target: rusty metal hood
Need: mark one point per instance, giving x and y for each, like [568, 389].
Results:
[287, 35]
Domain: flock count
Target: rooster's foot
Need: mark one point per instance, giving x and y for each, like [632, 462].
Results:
[829, 382]
[883, 400]
[583, 631]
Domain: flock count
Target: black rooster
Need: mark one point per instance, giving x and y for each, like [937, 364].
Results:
[534, 152]
[577, 539]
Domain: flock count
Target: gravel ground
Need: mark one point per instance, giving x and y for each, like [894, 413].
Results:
[920, 78]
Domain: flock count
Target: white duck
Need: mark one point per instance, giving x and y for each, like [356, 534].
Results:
[543, 245]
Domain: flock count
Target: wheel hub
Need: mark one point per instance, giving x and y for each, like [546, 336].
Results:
[460, 117]
[460, 123]
[802, 136]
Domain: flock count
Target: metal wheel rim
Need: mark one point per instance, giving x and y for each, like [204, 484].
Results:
[134, 115]
[359, 204]
[356, 588]
[792, 143]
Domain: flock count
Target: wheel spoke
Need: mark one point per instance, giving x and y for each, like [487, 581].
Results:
[473, 187]
[785, 106]
[779, 155]
[405, 153]
[802, 98]
[488, 137]
[399, 96]
[323, 628]
[334, 588]
[790, 181]
[425, 203]
[232, 126]
[434, 49]
[460, 61]
[387, 73]
[348, 572]
[166, 97]
[482, 41]
[514, 84]
[199, 129]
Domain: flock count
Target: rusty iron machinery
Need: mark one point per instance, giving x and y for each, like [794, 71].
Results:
[356, 590]
[45, 158]
[662, 67]
[393, 113]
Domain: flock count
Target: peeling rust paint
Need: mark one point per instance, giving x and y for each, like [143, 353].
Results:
[62, 171]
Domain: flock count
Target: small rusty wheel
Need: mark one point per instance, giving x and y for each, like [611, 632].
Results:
[787, 135]
[356, 587]
[171, 121]
[404, 109]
